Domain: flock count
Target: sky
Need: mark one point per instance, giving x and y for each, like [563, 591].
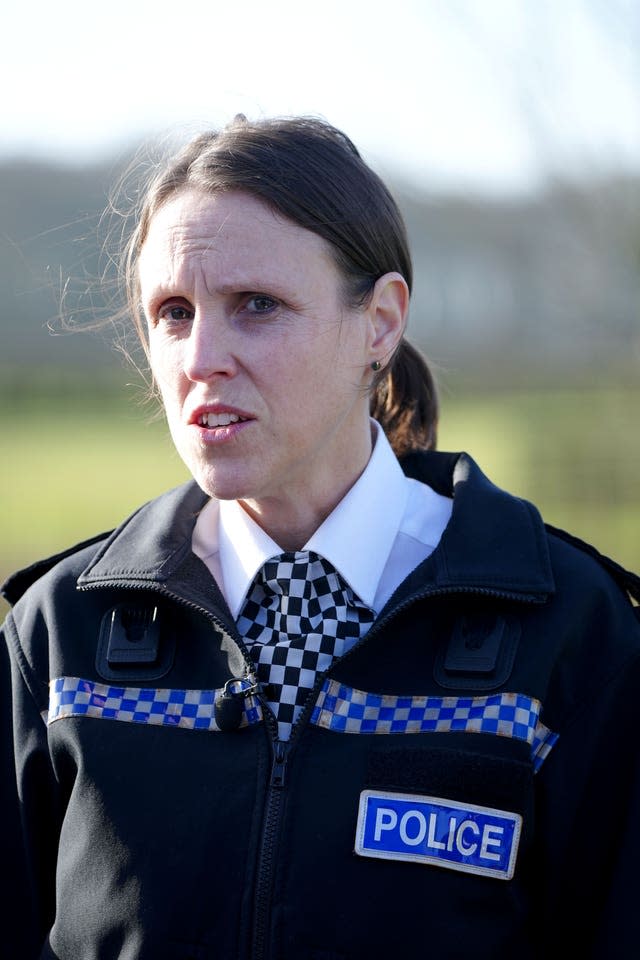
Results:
[490, 95]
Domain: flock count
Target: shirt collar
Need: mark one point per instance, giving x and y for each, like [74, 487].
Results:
[371, 513]
[243, 548]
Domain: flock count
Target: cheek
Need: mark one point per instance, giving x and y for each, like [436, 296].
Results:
[165, 366]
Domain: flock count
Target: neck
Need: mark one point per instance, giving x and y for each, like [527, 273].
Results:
[292, 523]
[292, 519]
[292, 515]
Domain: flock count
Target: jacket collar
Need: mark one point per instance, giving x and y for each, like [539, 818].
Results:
[152, 543]
[494, 541]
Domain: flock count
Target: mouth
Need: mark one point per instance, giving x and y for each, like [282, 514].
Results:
[219, 419]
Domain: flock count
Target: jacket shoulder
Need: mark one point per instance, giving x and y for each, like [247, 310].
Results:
[626, 579]
[75, 557]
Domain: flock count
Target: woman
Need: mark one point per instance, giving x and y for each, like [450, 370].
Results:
[314, 704]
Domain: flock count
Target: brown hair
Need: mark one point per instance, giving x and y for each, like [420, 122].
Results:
[311, 173]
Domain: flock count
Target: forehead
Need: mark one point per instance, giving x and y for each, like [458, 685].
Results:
[228, 232]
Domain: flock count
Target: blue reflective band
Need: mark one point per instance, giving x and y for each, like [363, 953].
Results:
[344, 709]
[155, 706]
[459, 836]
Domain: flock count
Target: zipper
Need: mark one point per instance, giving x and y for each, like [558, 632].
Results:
[280, 753]
[282, 750]
[267, 859]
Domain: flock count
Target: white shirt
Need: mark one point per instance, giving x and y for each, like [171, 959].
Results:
[380, 531]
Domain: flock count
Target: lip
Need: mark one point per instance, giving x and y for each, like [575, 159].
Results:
[194, 417]
[220, 434]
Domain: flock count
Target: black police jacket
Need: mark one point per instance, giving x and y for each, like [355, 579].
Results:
[465, 782]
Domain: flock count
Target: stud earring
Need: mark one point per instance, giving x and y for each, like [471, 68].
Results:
[376, 365]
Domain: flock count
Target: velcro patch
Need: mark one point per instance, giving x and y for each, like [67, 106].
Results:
[459, 836]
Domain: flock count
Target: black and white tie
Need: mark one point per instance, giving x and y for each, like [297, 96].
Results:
[298, 616]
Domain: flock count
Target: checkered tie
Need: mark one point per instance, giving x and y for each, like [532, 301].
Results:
[298, 616]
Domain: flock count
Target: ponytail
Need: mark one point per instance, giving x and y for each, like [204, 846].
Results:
[404, 401]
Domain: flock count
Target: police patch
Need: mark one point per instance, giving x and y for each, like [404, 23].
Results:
[459, 836]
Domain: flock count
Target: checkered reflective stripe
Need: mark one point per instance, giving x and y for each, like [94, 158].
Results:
[339, 708]
[193, 709]
[299, 615]
[345, 710]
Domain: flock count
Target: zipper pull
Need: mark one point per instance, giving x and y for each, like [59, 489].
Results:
[280, 754]
[229, 705]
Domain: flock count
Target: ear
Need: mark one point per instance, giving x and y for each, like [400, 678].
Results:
[387, 310]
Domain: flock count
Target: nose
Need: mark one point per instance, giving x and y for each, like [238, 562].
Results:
[208, 351]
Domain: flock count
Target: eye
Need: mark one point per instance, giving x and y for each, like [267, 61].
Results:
[260, 303]
[175, 313]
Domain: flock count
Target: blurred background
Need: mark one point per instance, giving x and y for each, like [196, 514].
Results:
[509, 132]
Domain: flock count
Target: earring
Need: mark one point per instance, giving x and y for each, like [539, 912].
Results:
[375, 366]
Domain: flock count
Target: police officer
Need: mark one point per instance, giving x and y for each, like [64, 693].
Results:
[339, 696]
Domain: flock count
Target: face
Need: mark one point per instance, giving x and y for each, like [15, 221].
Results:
[262, 369]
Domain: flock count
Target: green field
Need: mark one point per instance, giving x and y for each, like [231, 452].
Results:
[75, 466]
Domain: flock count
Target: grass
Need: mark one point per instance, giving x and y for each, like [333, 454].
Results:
[77, 465]
[75, 473]
[576, 454]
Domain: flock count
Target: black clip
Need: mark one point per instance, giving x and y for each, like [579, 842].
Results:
[480, 652]
[134, 635]
[131, 644]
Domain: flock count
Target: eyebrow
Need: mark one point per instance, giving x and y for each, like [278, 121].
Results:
[244, 284]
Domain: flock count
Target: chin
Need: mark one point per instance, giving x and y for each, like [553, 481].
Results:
[220, 485]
